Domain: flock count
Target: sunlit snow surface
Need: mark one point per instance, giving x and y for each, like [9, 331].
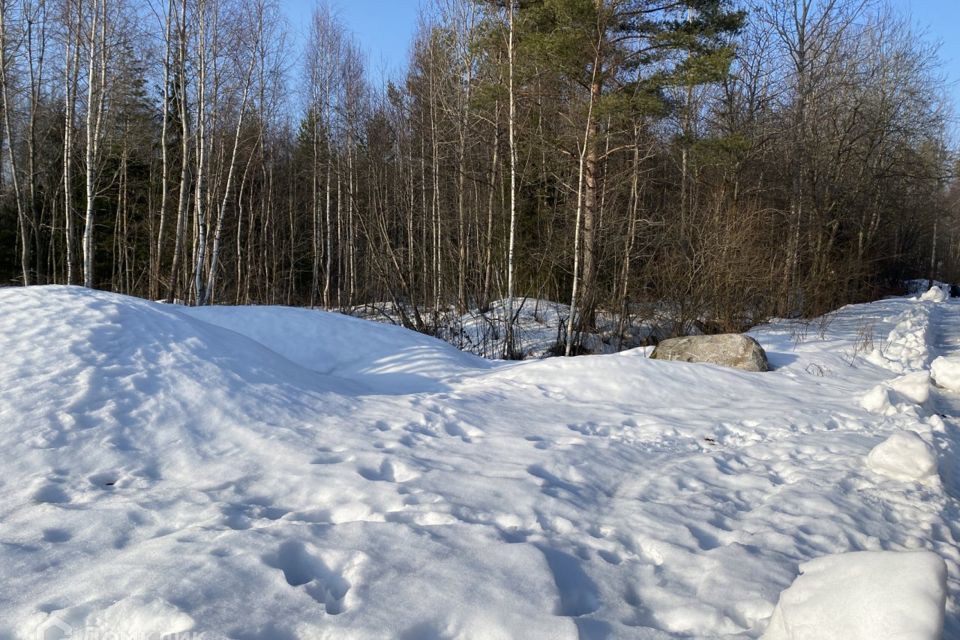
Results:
[273, 473]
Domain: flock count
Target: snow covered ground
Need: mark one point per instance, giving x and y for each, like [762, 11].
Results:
[271, 473]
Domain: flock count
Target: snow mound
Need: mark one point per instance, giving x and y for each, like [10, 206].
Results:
[866, 595]
[945, 371]
[935, 294]
[903, 456]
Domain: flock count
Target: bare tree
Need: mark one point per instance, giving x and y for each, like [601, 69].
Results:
[72, 17]
[97, 47]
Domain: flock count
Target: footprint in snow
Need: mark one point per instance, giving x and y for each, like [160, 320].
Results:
[611, 557]
[389, 472]
[56, 536]
[328, 458]
[106, 480]
[551, 394]
[301, 568]
[577, 592]
[51, 494]
[464, 431]
[539, 442]
[422, 429]
[241, 517]
[704, 539]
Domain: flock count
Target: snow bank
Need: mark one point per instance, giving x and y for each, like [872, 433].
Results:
[867, 595]
[904, 456]
[945, 371]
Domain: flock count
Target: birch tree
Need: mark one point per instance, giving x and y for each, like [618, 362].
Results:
[98, 25]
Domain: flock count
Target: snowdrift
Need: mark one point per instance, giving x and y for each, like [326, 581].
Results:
[271, 473]
[385, 357]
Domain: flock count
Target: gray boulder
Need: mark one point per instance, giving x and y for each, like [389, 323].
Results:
[726, 349]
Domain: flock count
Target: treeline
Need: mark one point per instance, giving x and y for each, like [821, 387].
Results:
[728, 161]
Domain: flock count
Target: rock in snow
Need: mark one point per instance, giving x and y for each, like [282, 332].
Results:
[904, 456]
[946, 373]
[727, 349]
[865, 595]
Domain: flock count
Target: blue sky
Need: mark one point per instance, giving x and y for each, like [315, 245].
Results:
[384, 29]
[941, 20]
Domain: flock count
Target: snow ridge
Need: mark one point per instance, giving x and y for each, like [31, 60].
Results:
[907, 345]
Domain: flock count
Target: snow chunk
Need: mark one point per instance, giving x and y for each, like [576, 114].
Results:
[904, 456]
[946, 373]
[139, 616]
[914, 387]
[877, 400]
[865, 595]
[935, 294]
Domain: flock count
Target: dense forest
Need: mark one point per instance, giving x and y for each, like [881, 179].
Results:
[731, 160]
